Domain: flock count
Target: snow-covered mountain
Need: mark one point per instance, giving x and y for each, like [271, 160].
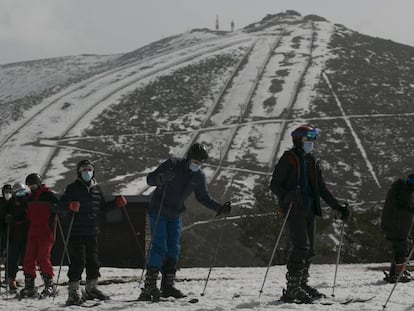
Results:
[241, 93]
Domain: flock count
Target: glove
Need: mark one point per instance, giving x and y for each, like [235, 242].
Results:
[120, 201]
[291, 196]
[74, 206]
[165, 177]
[9, 219]
[224, 209]
[344, 210]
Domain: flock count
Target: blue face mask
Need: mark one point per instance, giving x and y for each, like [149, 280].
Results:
[194, 167]
[87, 175]
[307, 146]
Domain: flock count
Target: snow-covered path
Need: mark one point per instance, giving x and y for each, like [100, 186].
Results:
[238, 289]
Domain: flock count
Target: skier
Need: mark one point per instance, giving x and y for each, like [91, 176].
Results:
[13, 218]
[84, 199]
[175, 179]
[396, 222]
[298, 183]
[41, 213]
[6, 192]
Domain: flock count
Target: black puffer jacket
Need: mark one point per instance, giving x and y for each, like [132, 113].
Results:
[397, 215]
[91, 199]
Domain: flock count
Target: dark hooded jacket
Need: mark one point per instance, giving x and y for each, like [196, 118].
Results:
[397, 215]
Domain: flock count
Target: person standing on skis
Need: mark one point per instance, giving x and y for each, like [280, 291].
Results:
[41, 214]
[84, 199]
[6, 192]
[298, 184]
[13, 218]
[175, 179]
[396, 222]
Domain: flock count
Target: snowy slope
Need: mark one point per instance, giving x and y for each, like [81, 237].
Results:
[238, 289]
[240, 93]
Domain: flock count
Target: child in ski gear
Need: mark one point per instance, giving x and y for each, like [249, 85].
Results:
[41, 213]
[13, 217]
[84, 199]
[175, 180]
[396, 222]
[298, 183]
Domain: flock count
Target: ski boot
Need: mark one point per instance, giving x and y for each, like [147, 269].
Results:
[49, 290]
[12, 286]
[395, 271]
[294, 293]
[167, 286]
[168, 277]
[74, 299]
[150, 292]
[92, 291]
[312, 291]
[29, 289]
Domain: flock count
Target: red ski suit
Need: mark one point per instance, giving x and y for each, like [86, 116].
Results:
[41, 232]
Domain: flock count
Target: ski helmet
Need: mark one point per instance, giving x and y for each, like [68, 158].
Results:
[20, 190]
[85, 164]
[34, 179]
[198, 152]
[7, 188]
[304, 131]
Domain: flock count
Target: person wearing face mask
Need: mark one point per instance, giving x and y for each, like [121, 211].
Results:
[298, 184]
[396, 223]
[175, 179]
[14, 220]
[83, 200]
[6, 192]
[41, 214]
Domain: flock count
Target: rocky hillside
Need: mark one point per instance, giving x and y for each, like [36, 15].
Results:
[240, 93]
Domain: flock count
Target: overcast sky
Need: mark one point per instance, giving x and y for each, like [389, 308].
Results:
[33, 29]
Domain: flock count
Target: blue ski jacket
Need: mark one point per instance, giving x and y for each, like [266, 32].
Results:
[179, 189]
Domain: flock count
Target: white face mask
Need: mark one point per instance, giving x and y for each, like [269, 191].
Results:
[194, 167]
[7, 196]
[307, 146]
[87, 175]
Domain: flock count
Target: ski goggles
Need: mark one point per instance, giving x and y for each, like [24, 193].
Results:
[410, 181]
[312, 134]
[20, 193]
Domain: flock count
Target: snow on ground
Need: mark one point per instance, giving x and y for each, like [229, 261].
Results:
[237, 289]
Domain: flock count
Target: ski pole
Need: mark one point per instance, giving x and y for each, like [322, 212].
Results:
[399, 276]
[275, 247]
[64, 247]
[213, 260]
[134, 233]
[152, 235]
[337, 257]
[63, 238]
